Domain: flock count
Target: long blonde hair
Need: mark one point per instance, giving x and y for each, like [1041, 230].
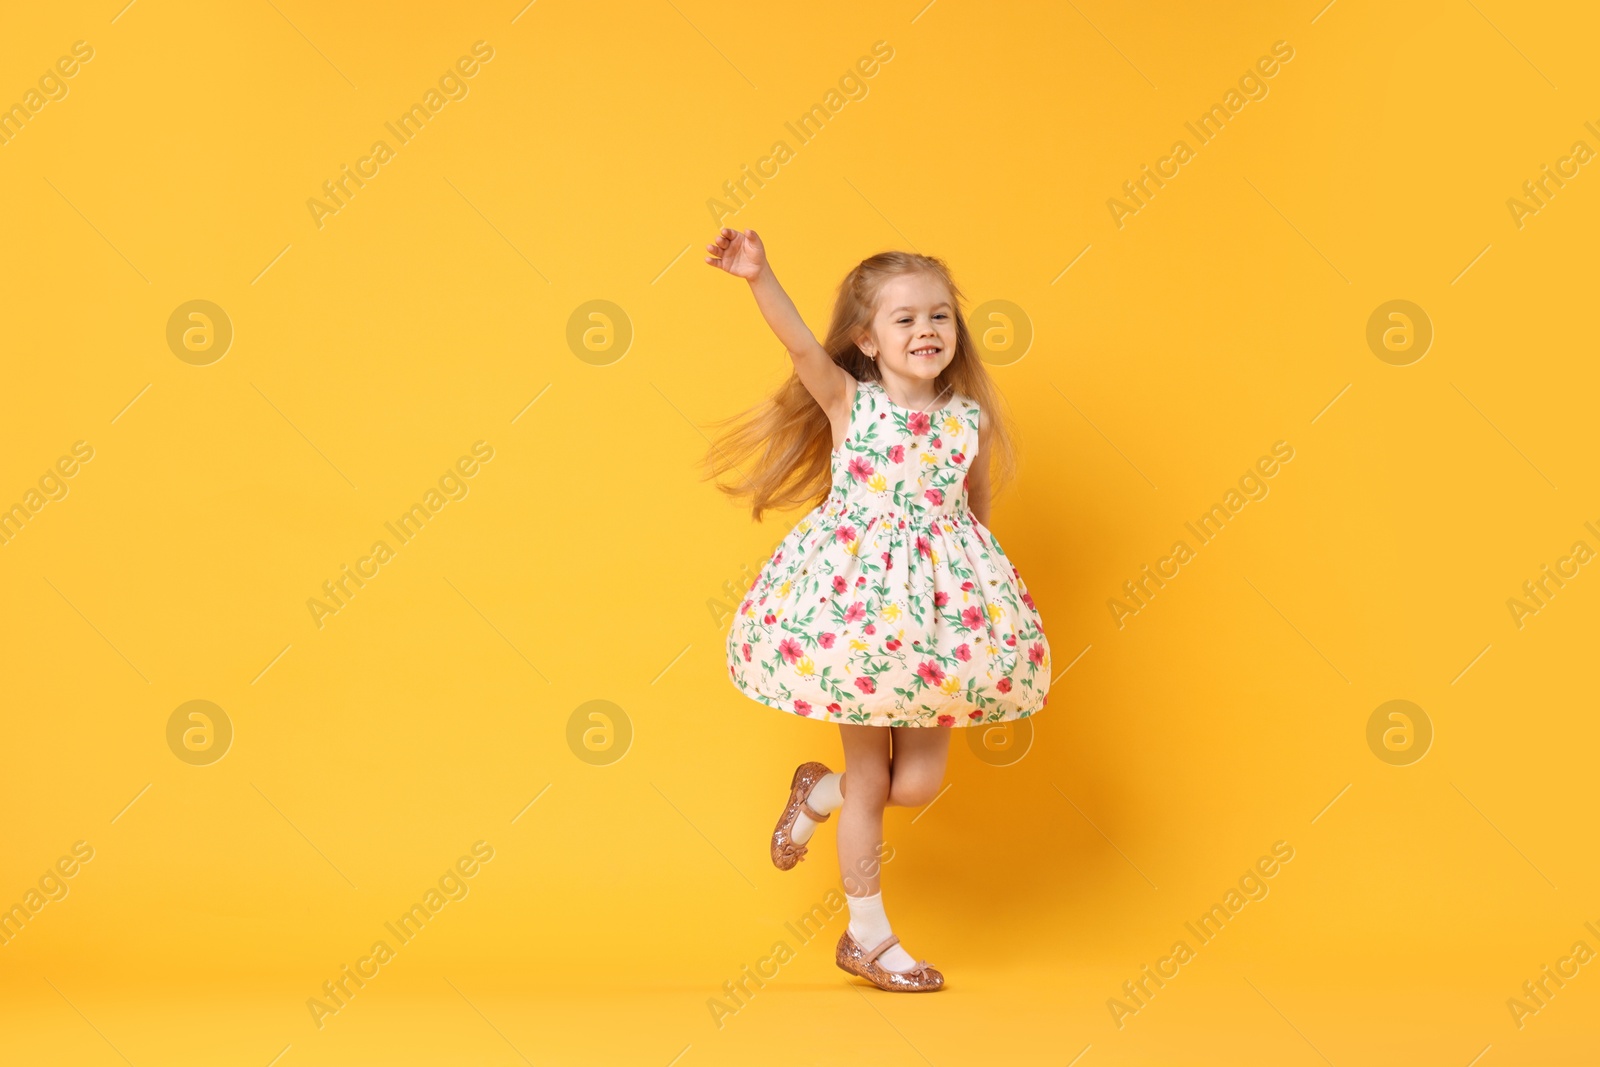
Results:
[781, 448]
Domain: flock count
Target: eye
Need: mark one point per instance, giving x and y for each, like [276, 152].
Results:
[902, 321]
[941, 315]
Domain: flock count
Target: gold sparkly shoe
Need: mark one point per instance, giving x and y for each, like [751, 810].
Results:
[785, 851]
[851, 957]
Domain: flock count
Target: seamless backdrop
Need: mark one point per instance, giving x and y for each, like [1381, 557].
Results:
[360, 588]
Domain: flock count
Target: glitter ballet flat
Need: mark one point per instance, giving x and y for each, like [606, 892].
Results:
[851, 957]
[785, 851]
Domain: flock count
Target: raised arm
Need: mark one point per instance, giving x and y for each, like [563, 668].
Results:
[744, 256]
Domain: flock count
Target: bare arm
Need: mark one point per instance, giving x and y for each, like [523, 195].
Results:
[978, 476]
[744, 256]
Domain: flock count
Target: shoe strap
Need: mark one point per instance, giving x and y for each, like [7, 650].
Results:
[883, 947]
[813, 815]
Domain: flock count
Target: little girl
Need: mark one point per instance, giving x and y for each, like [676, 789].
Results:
[890, 608]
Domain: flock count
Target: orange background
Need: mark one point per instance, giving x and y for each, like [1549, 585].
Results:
[432, 710]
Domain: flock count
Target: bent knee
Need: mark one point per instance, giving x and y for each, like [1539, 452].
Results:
[913, 790]
[865, 788]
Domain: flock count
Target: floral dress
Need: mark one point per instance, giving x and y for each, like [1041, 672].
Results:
[890, 604]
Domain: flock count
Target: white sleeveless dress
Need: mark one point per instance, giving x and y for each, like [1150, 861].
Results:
[890, 604]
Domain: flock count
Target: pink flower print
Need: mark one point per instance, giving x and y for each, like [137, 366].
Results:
[966, 587]
[924, 546]
[918, 423]
[963, 653]
[834, 709]
[866, 685]
[930, 673]
[972, 618]
[744, 609]
[839, 584]
[897, 453]
[747, 652]
[790, 650]
[845, 534]
[855, 611]
[938, 443]
[893, 644]
[860, 469]
[861, 579]
[935, 496]
[941, 598]
[1036, 654]
[802, 708]
[1027, 598]
[871, 629]
[974, 713]
[1004, 685]
[947, 720]
[826, 639]
[1011, 640]
[769, 618]
[959, 457]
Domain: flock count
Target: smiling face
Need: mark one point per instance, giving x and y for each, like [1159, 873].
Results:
[912, 334]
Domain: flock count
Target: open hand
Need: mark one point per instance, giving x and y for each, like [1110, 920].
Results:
[740, 254]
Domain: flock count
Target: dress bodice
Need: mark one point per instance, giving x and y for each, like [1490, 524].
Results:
[894, 459]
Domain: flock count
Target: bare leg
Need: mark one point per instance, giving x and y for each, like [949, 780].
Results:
[866, 791]
[916, 768]
[875, 777]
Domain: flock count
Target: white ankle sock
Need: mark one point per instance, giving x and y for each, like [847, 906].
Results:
[869, 926]
[825, 797]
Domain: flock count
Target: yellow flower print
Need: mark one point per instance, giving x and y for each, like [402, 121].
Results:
[952, 425]
[890, 612]
[877, 483]
[951, 684]
[856, 644]
[930, 459]
[783, 590]
[805, 668]
[935, 554]
[805, 524]
[995, 610]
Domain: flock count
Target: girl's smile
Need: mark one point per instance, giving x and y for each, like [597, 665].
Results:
[913, 333]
